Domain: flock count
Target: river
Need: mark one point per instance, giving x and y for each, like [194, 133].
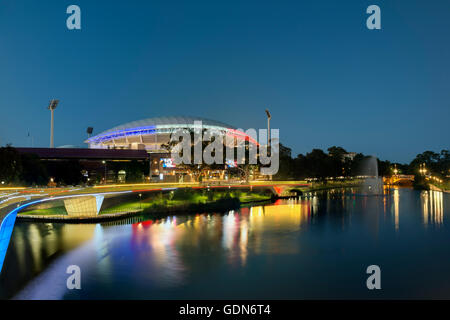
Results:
[315, 247]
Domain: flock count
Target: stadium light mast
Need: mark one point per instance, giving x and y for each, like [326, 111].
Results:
[89, 131]
[268, 126]
[52, 106]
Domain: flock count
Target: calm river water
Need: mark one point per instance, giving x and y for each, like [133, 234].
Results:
[318, 246]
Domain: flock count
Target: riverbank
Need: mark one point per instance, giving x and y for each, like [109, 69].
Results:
[187, 200]
[333, 185]
[440, 188]
[444, 187]
[183, 201]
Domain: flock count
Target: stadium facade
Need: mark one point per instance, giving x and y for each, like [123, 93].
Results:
[152, 133]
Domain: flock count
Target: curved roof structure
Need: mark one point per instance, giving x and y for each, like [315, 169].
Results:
[167, 121]
[140, 131]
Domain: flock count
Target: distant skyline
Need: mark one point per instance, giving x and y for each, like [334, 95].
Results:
[326, 79]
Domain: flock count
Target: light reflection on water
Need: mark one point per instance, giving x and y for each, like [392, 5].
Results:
[432, 207]
[396, 207]
[291, 244]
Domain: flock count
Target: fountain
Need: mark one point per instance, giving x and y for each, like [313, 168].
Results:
[373, 184]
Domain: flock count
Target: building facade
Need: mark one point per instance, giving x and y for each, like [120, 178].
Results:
[153, 135]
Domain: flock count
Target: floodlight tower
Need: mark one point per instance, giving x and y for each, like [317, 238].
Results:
[52, 107]
[268, 126]
[269, 116]
[89, 131]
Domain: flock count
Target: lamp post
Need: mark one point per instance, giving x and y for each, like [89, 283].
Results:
[52, 106]
[422, 169]
[104, 162]
[269, 116]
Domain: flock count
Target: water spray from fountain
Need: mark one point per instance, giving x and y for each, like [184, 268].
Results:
[373, 183]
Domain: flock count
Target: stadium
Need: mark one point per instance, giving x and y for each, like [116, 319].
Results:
[150, 134]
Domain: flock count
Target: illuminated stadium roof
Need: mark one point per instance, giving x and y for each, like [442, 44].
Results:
[167, 121]
[151, 133]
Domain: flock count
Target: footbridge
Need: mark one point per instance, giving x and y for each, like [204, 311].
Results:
[401, 179]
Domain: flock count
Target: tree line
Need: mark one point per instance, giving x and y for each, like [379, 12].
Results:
[28, 169]
[337, 162]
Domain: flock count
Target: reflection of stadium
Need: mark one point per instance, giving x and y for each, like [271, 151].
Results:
[150, 135]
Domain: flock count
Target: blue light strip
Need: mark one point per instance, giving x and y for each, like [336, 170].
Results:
[6, 229]
[123, 133]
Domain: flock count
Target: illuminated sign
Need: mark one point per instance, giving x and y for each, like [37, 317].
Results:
[231, 163]
[168, 163]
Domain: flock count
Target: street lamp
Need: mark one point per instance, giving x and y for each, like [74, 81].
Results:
[140, 199]
[52, 106]
[104, 162]
[269, 116]
[422, 169]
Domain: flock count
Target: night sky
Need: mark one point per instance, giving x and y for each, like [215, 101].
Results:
[325, 77]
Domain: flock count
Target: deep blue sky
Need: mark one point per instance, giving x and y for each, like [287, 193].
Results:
[326, 78]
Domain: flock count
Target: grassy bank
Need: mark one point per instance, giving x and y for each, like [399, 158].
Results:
[180, 200]
[445, 186]
[425, 185]
[190, 200]
[54, 211]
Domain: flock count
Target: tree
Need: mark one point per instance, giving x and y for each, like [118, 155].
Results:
[34, 171]
[10, 165]
[66, 172]
[340, 165]
[337, 152]
[436, 163]
[319, 164]
[197, 170]
[135, 171]
[384, 168]
[357, 164]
